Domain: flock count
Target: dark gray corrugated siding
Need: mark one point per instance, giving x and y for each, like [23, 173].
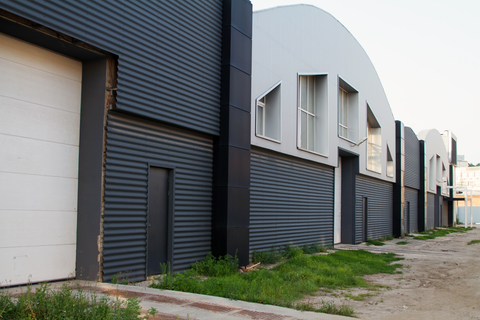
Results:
[291, 201]
[411, 195]
[412, 159]
[379, 196]
[169, 52]
[430, 210]
[131, 145]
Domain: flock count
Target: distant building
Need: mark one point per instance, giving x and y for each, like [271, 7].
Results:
[468, 176]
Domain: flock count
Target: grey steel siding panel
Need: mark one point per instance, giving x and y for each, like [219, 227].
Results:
[412, 159]
[169, 52]
[379, 196]
[291, 202]
[131, 146]
[411, 195]
[430, 211]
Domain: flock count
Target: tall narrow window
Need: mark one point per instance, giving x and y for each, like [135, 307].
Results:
[261, 117]
[343, 113]
[307, 112]
[390, 168]
[432, 173]
[268, 124]
[312, 114]
[348, 124]
[374, 142]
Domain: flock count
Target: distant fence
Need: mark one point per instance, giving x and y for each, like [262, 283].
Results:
[475, 214]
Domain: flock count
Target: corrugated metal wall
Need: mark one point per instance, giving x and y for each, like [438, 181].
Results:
[291, 201]
[412, 159]
[411, 195]
[169, 52]
[131, 145]
[379, 196]
[430, 211]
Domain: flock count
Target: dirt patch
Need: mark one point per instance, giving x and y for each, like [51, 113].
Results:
[440, 280]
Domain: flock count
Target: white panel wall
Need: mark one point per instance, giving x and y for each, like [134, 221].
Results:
[39, 138]
[303, 39]
[434, 146]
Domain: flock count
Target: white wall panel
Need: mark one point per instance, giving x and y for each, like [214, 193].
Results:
[38, 157]
[39, 58]
[35, 192]
[37, 228]
[25, 119]
[40, 87]
[36, 263]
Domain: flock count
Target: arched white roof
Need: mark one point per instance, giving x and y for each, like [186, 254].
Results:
[295, 40]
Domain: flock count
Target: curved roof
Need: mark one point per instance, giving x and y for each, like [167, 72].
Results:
[294, 40]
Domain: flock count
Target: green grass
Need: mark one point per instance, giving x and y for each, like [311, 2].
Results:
[440, 232]
[68, 303]
[401, 243]
[473, 242]
[288, 282]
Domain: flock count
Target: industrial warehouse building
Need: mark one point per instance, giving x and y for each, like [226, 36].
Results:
[177, 129]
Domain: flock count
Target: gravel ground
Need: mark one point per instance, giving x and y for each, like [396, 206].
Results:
[440, 280]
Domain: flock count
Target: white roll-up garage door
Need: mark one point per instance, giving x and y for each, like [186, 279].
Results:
[39, 142]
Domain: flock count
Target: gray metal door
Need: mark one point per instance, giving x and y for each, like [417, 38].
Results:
[411, 196]
[407, 217]
[437, 217]
[430, 211]
[157, 227]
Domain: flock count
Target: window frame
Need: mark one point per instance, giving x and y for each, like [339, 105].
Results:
[371, 144]
[343, 112]
[352, 111]
[307, 113]
[264, 95]
[390, 164]
[319, 116]
[260, 104]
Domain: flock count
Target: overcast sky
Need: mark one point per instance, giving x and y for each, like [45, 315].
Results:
[427, 54]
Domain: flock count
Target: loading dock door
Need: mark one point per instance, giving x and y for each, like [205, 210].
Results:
[39, 138]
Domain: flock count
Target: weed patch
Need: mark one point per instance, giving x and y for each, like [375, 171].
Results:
[371, 242]
[473, 242]
[360, 297]
[380, 241]
[328, 307]
[68, 303]
[288, 282]
[216, 267]
[440, 232]
[402, 243]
